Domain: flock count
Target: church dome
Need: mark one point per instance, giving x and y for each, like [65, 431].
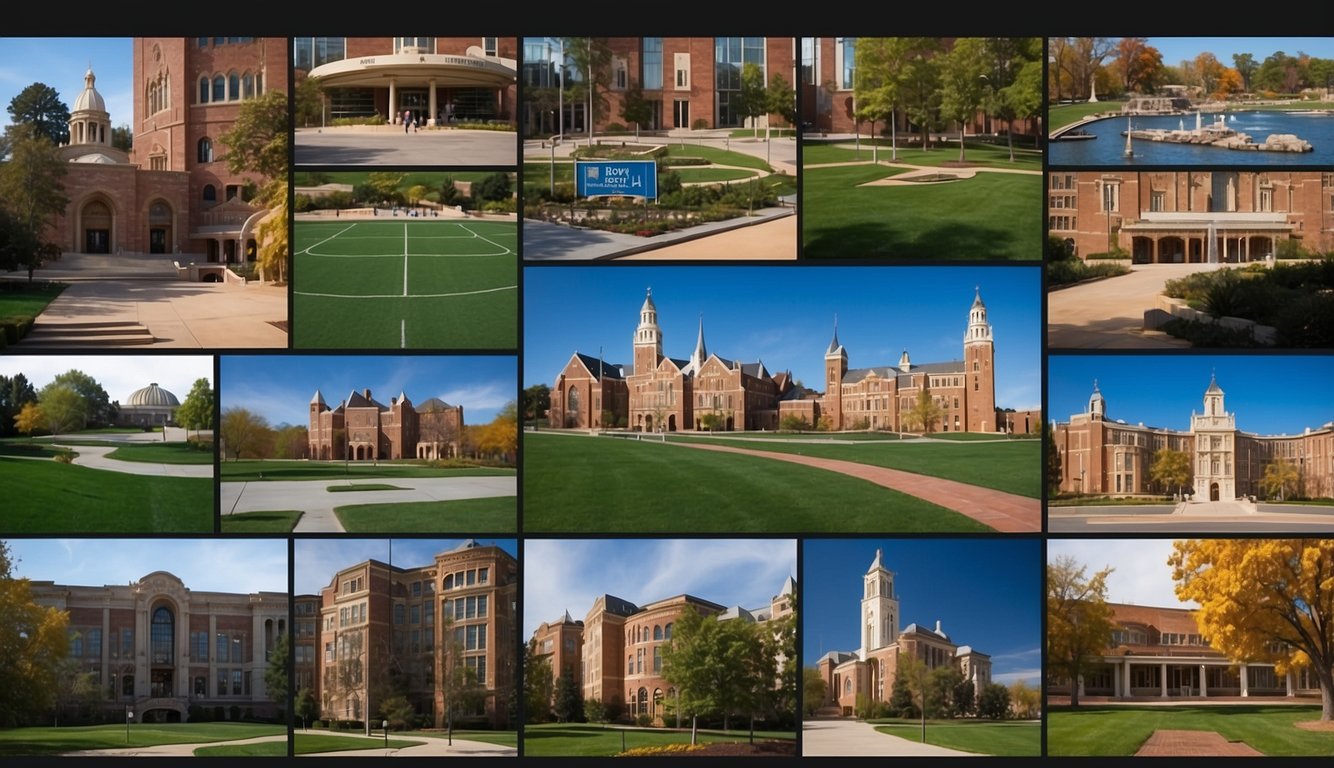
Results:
[90, 99]
[153, 395]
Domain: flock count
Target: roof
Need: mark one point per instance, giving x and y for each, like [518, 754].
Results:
[433, 404]
[618, 606]
[594, 365]
[358, 400]
[152, 395]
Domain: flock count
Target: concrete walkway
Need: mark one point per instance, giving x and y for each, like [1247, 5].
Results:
[170, 750]
[143, 289]
[95, 457]
[853, 738]
[434, 746]
[1109, 314]
[1006, 512]
[313, 498]
[768, 240]
[389, 145]
[1204, 517]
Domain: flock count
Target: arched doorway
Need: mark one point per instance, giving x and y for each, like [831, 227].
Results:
[97, 222]
[1213, 491]
[159, 228]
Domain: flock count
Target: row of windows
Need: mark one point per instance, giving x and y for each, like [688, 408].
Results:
[230, 87]
[230, 682]
[634, 664]
[351, 614]
[468, 578]
[415, 614]
[204, 41]
[159, 94]
[228, 648]
[1061, 223]
[642, 634]
[466, 607]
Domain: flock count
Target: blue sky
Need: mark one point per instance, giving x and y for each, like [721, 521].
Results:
[1177, 49]
[1271, 395]
[280, 387]
[986, 593]
[784, 316]
[120, 375]
[1141, 575]
[315, 561]
[61, 62]
[208, 565]
[568, 574]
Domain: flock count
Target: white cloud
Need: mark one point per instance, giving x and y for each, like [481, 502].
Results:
[119, 375]
[1141, 574]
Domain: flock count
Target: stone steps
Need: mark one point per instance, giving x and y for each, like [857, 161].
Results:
[104, 334]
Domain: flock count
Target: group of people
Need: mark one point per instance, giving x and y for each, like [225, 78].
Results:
[411, 122]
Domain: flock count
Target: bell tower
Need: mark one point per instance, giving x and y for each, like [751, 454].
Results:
[979, 369]
[835, 365]
[648, 337]
[880, 609]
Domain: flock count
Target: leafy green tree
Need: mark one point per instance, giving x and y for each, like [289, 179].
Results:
[1171, 469]
[33, 643]
[308, 100]
[77, 693]
[916, 677]
[752, 100]
[101, 411]
[15, 392]
[122, 138]
[40, 107]
[538, 689]
[257, 143]
[493, 187]
[994, 703]
[1245, 65]
[277, 674]
[814, 689]
[32, 191]
[307, 708]
[591, 58]
[635, 108]
[595, 711]
[901, 701]
[945, 680]
[196, 411]
[920, 84]
[707, 662]
[1053, 464]
[781, 99]
[1079, 620]
[963, 72]
[63, 409]
[536, 401]
[569, 698]
[964, 698]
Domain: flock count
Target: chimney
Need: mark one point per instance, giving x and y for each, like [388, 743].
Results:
[366, 393]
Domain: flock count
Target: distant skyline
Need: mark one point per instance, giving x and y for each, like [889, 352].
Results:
[1177, 49]
[280, 387]
[61, 63]
[569, 574]
[204, 565]
[1270, 394]
[1140, 576]
[986, 593]
[120, 375]
[315, 561]
[784, 316]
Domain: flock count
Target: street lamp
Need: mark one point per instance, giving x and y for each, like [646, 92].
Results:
[385, 724]
[129, 715]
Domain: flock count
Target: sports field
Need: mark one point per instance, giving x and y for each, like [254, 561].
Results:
[405, 284]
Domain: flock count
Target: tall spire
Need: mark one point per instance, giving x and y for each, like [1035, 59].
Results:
[979, 330]
[834, 347]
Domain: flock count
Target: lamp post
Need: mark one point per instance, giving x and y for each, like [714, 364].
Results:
[129, 716]
[385, 725]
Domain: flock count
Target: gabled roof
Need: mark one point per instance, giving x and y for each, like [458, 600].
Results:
[358, 400]
[595, 365]
[432, 404]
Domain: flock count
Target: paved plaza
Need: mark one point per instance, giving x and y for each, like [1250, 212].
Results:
[853, 738]
[1109, 314]
[388, 145]
[1203, 517]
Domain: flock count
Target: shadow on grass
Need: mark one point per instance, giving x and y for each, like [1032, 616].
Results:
[957, 241]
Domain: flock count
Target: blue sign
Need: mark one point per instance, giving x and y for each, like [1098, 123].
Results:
[616, 177]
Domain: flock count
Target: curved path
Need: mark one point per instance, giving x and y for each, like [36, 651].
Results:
[178, 750]
[1006, 512]
[829, 738]
[434, 746]
[95, 457]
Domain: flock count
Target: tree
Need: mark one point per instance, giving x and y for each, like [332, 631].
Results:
[257, 143]
[277, 673]
[963, 73]
[63, 409]
[591, 57]
[15, 392]
[493, 187]
[1026, 701]
[964, 698]
[994, 703]
[635, 108]
[920, 84]
[398, 711]
[308, 101]
[901, 703]
[77, 689]
[1139, 64]
[500, 438]
[781, 99]
[536, 402]
[122, 138]
[706, 662]
[306, 707]
[538, 689]
[814, 689]
[924, 414]
[196, 411]
[752, 101]
[1246, 67]
[878, 83]
[1208, 69]
[242, 430]
[32, 192]
[1264, 601]
[30, 419]
[793, 422]
[1171, 469]
[1021, 97]
[40, 107]
[1281, 478]
[33, 643]
[945, 682]
[101, 410]
[595, 711]
[1079, 621]
[569, 698]
[1054, 471]
[916, 677]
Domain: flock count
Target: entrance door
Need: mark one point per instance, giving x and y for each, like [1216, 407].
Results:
[161, 683]
[1213, 492]
[157, 240]
[681, 113]
[96, 241]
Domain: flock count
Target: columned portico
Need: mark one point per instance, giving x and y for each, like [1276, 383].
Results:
[1162, 679]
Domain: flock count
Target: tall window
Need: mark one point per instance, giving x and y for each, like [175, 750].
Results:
[650, 63]
[205, 150]
[731, 54]
[233, 87]
[162, 635]
[412, 44]
[219, 88]
[846, 50]
[490, 47]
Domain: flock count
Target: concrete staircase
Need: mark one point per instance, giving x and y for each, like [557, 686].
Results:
[95, 334]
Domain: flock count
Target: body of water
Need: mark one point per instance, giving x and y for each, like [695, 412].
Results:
[1108, 148]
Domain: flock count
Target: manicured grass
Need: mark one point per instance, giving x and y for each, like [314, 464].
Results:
[573, 483]
[21, 300]
[983, 737]
[399, 283]
[986, 155]
[64, 498]
[1012, 466]
[990, 216]
[250, 470]
[690, 175]
[565, 740]
[1121, 730]
[260, 749]
[840, 436]
[164, 453]
[499, 738]
[364, 487]
[1107, 501]
[305, 743]
[540, 173]
[55, 741]
[718, 156]
[494, 513]
[281, 521]
[25, 448]
[774, 133]
[1061, 115]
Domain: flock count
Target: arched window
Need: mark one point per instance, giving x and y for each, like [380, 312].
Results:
[219, 88]
[572, 400]
[162, 635]
[657, 632]
[667, 632]
[203, 90]
[248, 86]
[847, 685]
[210, 193]
[233, 87]
[206, 150]
[449, 581]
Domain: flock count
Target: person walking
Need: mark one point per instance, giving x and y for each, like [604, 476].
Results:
[407, 116]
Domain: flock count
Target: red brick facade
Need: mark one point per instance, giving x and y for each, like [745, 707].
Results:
[362, 429]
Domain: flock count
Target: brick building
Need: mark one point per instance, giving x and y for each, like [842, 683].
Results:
[173, 192]
[1162, 217]
[668, 394]
[621, 646]
[361, 428]
[871, 669]
[1104, 456]
[159, 649]
[375, 617]
[561, 643]
[439, 80]
[1158, 653]
[686, 82]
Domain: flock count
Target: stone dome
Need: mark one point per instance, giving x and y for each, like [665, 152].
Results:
[90, 99]
[153, 395]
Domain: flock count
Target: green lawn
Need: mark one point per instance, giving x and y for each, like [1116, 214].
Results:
[1107, 501]
[1013, 466]
[261, 749]
[280, 521]
[364, 487]
[573, 483]
[64, 498]
[1061, 115]
[250, 470]
[500, 738]
[21, 300]
[565, 740]
[718, 156]
[990, 216]
[305, 743]
[690, 175]
[497, 513]
[540, 173]
[980, 154]
[164, 453]
[405, 283]
[1121, 730]
[55, 741]
[985, 737]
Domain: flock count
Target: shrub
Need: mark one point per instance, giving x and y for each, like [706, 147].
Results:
[1307, 321]
[1291, 249]
[1208, 334]
[615, 128]
[644, 720]
[1059, 249]
[699, 124]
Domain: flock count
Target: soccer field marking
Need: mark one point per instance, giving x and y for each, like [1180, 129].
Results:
[405, 259]
[413, 296]
[403, 334]
[327, 239]
[464, 227]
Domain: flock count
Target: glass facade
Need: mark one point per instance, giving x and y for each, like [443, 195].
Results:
[731, 54]
[311, 52]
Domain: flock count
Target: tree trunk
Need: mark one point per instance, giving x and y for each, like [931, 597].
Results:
[961, 141]
[694, 729]
[1326, 678]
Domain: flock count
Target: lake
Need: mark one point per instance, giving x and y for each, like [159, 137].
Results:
[1107, 148]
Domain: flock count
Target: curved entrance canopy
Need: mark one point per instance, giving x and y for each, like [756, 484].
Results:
[415, 70]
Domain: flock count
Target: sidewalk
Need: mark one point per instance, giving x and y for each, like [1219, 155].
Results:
[851, 738]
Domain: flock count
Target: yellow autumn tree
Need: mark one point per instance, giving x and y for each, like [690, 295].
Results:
[1264, 601]
[1079, 620]
[33, 643]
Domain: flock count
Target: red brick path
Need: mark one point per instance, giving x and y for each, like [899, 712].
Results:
[1194, 743]
[1006, 512]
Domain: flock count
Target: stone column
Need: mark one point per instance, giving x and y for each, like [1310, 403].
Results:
[1126, 683]
[1162, 680]
[212, 684]
[1081, 686]
[1244, 682]
[1204, 686]
[1287, 682]
[1116, 680]
[106, 648]
[394, 115]
[431, 101]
